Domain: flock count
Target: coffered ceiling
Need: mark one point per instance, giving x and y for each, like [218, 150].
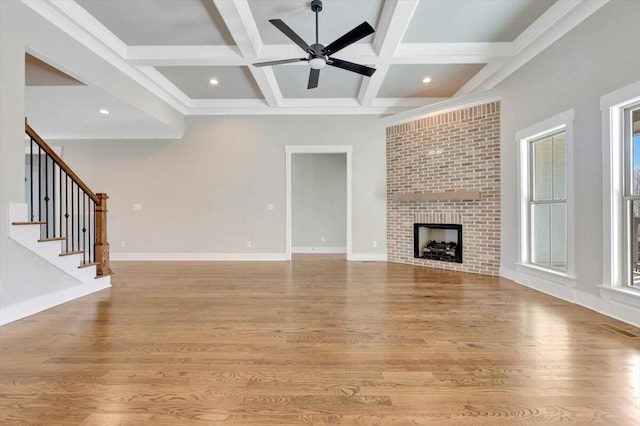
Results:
[175, 47]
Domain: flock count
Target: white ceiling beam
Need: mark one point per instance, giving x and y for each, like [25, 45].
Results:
[412, 53]
[394, 21]
[298, 110]
[162, 81]
[555, 22]
[540, 26]
[451, 53]
[481, 76]
[239, 20]
[229, 55]
[355, 52]
[64, 16]
[405, 102]
[87, 22]
[184, 55]
[402, 103]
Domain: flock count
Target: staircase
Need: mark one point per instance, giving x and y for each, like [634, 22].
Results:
[63, 222]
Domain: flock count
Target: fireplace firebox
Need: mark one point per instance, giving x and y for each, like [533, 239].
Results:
[437, 241]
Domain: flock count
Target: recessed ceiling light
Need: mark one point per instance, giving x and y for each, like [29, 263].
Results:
[104, 111]
[213, 82]
[426, 80]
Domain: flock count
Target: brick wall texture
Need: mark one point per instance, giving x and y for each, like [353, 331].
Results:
[455, 151]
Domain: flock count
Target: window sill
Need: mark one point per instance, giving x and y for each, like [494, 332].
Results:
[556, 277]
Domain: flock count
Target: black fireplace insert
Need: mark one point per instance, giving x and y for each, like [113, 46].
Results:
[437, 241]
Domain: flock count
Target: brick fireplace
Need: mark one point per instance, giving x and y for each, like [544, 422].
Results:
[444, 171]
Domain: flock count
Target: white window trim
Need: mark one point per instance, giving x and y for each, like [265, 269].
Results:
[562, 121]
[612, 106]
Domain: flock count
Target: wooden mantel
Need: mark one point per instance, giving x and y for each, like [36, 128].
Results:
[404, 197]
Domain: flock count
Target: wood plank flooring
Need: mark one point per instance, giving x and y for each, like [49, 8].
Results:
[316, 341]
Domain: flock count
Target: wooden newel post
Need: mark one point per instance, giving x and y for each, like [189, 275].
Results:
[102, 246]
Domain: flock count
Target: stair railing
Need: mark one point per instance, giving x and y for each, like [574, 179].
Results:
[63, 204]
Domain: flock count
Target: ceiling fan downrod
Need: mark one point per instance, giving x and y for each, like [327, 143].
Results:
[316, 6]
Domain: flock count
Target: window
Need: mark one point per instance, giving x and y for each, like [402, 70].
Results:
[631, 196]
[548, 201]
[546, 234]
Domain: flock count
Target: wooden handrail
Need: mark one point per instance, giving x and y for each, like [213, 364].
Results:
[60, 162]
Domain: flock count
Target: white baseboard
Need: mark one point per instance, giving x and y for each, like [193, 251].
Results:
[372, 257]
[327, 250]
[623, 305]
[618, 304]
[368, 257]
[24, 309]
[201, 256]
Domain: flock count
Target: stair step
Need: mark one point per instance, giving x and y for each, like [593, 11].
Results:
[69, 253]
[29, 223]
[104, 275]
[44, 240]
[88, 264]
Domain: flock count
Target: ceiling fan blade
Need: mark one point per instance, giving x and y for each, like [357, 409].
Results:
[359, 32]
[314, 76]
[350, 66]
[283, 61]
[286, 30]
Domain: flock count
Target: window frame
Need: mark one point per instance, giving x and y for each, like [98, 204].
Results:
[627, 196]
[532, 201]
[562, 122]
[616, 233]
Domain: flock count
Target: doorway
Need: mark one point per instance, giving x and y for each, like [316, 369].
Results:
[311, 239]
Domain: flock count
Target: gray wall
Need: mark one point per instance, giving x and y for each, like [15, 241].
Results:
[318, 200]
[599, 56]
[208, 192]
[23, 275]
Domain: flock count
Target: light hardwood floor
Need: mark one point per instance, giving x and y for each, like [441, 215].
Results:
[316, 341]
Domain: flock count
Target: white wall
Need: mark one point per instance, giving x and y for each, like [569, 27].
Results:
[600, 55]
[205, 195]
[24, 277]
[319, 206]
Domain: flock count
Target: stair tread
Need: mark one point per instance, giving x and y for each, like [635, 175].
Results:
[88, 264]
[44, 240]
[69, 253]
[104, 275]
[29, 223]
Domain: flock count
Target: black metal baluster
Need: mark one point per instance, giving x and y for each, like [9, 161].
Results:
[89, 203]
[60, 201]
[66, 208]
[84, 228]
[31, 173]
[94, 230]
[39, 183]
[46, 193]
[53, 197]
[73, 242]
[78, 221]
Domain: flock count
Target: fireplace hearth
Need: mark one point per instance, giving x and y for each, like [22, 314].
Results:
[437, 241]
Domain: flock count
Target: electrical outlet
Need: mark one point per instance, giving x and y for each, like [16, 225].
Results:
[123, 244]
[249, 244]
[375, 244]
[323, 239]
[269, 207]
[137, 206]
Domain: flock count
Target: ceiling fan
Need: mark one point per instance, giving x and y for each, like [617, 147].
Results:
[319, 55]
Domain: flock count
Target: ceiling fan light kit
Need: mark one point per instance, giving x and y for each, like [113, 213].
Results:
[320, 55]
